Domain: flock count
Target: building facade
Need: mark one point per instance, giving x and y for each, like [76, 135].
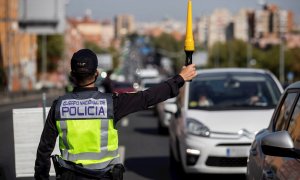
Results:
[124, 25]
[202, 30]
[219, 21]
[107, 34]
[73, 42]
[241, 25]
[89, 29]
[18, 66]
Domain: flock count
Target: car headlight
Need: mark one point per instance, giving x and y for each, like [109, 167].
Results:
[196, 128]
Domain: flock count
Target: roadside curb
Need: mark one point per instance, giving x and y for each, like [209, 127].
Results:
[22, 97]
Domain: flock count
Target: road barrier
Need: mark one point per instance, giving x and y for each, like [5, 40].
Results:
[28, 125]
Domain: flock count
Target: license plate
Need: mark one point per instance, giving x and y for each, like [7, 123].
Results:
[237, 152]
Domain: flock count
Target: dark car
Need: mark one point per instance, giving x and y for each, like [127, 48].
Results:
[123, 87]
[117, 86]
[275, 152]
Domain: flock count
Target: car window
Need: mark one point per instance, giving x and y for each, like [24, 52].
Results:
[294, 125]
[284, 112]
[233, 90]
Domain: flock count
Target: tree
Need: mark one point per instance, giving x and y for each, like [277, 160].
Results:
[229, 54]
[168, 46]
[268, 58]
[234, 54]
[55, 51]
[94, 47]
[293, 62]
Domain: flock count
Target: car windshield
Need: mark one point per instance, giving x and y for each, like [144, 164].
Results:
[235, 90]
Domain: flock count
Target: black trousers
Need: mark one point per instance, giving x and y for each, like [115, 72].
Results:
[70, 175]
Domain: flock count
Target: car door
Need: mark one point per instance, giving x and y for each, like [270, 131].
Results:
[255, 169]
[276, 167]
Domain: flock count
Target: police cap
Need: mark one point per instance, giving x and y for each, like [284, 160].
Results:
[84, 61]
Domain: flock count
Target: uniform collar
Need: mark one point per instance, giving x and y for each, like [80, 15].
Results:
[79, 89]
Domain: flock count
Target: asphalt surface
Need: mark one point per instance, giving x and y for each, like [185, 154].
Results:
[7, 160]
[146, 153]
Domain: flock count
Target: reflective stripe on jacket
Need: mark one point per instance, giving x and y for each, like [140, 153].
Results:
[86, 129]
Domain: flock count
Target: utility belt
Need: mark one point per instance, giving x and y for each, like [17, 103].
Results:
[115, 171]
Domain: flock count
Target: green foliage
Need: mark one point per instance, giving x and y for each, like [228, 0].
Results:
[132, 37]
[173, 48]
[167, 42]
[94, 47]
[55, 51]
[268, 59]
[55, 46]
[234, 54]
[230, 54]
[116, 56]
[293, 62]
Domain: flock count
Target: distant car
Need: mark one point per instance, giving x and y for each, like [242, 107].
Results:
[275, 152]
[216, 116]
[123, 87]
[164, 117]
[149, 82]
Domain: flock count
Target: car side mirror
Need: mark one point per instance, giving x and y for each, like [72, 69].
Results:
[171, 108]
[279, 144]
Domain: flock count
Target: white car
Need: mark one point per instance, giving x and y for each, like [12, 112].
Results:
[216, 117]
[163, 117]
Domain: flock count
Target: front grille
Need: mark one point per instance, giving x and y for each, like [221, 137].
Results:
[226, 161]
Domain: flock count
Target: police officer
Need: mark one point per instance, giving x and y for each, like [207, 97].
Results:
[85, 122]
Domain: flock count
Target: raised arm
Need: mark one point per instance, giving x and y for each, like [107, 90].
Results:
[127, 103]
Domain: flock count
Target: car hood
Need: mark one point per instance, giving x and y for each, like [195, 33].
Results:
[232, 121]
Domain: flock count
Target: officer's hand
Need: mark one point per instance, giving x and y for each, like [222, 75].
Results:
[188, 72]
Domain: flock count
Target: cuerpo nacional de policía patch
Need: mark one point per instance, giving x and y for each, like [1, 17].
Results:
[83, 108]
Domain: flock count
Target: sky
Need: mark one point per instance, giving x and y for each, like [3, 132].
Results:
[155, 10]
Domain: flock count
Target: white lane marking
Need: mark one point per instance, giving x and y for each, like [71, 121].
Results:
[124, 122]
[122, 153]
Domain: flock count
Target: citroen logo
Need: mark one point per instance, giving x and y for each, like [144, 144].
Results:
[246, 133]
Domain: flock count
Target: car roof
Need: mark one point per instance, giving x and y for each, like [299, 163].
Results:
[222, 70]
[294, 85]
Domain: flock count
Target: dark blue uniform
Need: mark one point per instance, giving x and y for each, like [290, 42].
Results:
[123, 104]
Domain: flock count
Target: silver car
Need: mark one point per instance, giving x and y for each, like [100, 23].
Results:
[275, 152]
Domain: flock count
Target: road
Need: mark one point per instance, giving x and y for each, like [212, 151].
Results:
[145, 152]
[7, 165]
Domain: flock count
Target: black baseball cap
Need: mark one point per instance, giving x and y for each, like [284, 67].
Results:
[84, 61]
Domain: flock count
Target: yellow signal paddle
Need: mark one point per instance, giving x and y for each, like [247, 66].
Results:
[189, 46]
